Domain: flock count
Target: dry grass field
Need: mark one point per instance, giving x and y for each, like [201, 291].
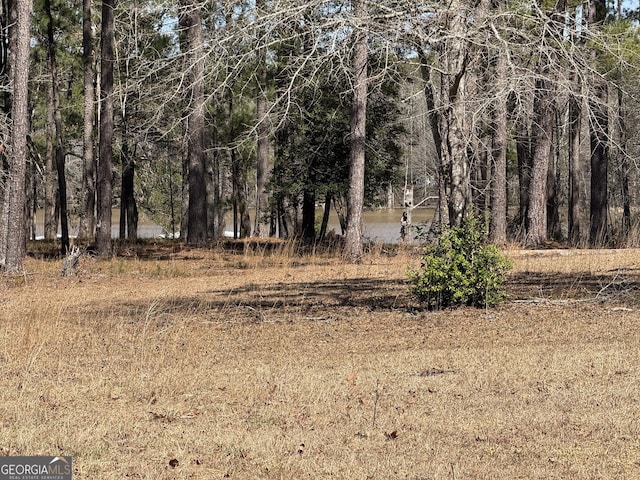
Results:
[170, 363]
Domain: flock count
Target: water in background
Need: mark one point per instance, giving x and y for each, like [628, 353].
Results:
[379, 225]
[384, 225]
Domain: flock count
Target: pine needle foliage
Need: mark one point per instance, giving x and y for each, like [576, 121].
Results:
[460, 268]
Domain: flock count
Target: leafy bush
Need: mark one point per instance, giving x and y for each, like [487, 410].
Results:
[460, 268]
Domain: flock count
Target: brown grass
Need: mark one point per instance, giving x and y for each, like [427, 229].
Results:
[175, 363]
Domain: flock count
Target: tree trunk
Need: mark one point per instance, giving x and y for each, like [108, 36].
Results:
[575, 127]
[553, 209]
[243, 211]
[86, 230]
[191, 21]
[355, 200]
[542, 137]
[104, 181]
[326, 212]
[442, 212]
[525, 165]
[128, 205]
[625, 169]
[498, 225]
[16, 239]
[599, 142]
[50, 180]
[340, 206]
[309, 215]
[261, 220]
[216, 224]
[59, 145]
[453, 131]
[598, 229]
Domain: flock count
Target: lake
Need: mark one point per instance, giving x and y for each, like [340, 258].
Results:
[381, 225]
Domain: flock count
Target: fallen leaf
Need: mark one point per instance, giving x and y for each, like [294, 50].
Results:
[391, 436]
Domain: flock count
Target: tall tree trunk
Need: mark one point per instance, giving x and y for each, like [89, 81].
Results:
[553, 209]
[355, 200]
[309, 214]
[59, 145]
[542, 137]
[525, 164]
[86, 230]
[498, 225]
[575, 127]
[261, 220]
[442, 212]
[15, 237]
[453, 133]
[625, 169]
[128, 205]
[243, 211]
[191, 21]
[50, 180]
[598, 228]
[214, 195]
[104, 181]
[599, 142]
[326, 212]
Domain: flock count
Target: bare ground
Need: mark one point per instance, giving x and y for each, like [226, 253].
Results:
[174, 363]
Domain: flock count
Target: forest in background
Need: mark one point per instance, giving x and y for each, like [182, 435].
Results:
[201, 113]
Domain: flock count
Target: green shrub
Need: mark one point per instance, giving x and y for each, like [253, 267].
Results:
[460, 268]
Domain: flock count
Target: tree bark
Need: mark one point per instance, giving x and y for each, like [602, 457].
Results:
[309, 214]
[191, 21]
[59, 145]
[625, 169]
[104, 180]
[553, 209]
[326, 212]
[542, 138]
[598, 228]
[355, 200]
[453, 130]
[575, 127]
[525, 164]
[261, 221]
[50, 190]
[128, 205]
[86, 230]
[16, 238]
[599, 142]
[498, 225]
[442, 211]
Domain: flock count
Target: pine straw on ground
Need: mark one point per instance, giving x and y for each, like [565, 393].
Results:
[204, 364]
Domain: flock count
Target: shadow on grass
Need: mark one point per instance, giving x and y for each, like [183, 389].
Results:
[340, 298]
[619, 286]
[309, 298]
